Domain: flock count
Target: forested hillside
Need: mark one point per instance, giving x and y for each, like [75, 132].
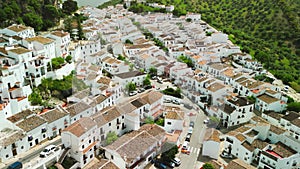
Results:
[268, 30]
[39, 14]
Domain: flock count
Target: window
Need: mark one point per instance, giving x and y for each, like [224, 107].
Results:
[90, 141]
[44, 135]
[91, 156]
[30, 144]
[22, 147]
[118, 127]
[122, 117]
[7, 156]
[169, 123]
[109, 124]
[5, 147]
[82, 146]
[112, 157]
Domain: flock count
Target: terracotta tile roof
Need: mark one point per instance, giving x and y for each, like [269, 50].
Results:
[19, 50]
[273, 114]
[40, 39]
[81, 126]
[218, 66]
[291, 116]
[20, 116]
[82, 94]
[53, 115]
[212, 135]
[140, 46]
[152, 96]
[240, 137]
[176, 115]
[60, 33]
[215, 87]
[104, 80]
[103, 164]
[277, 130]
[216, 164]
[283, 150]
[256, 144]
[77, 108]
[92, 76]
[296, 122]
[18, 28]
[9, 136]
[239, 164]
[138, 102]
[94, 68]
[240, 101]
[111, 113]
[31, 123]
[267, 99]
[99, 99]
[130, 74]
[132, 145]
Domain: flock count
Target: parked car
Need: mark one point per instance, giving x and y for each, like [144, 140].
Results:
[132, 93]
[190, 130]
[141, 90]
[48, 150]
[148, 87]
[167, 100]
[159, 81]
[154, 77]
[176, 102]
[192, 124]
[206, 121]
[176, 161]
[170, 164]
[15, 165]
[185, 151]
[224, 154]
[185, 145]
[160, 165]
[188, 137]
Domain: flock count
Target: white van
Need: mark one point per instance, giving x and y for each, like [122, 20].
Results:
[185, 145]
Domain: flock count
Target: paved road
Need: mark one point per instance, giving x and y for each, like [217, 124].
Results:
[32, 153]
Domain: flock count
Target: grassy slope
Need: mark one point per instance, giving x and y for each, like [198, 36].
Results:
[269, 30]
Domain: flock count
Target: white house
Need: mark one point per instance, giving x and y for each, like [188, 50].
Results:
[81, 138]
[136, 77]
[62, 42]
[174, 119]
[211, 144]
[279, 156]
[236, 111]
[266, 102]
[79, 110]
[19, 30]
[136, 149]
[57, 120]
[12, 143]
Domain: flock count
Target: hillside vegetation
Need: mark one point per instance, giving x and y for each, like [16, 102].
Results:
[268, 30]
[39, 14]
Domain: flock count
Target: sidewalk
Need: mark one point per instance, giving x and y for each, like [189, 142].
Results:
[26, 156]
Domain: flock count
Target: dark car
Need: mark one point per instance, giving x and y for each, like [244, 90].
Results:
[192, 124]
[148, 87]
[15, 165]
[188, 137]
[160, 165]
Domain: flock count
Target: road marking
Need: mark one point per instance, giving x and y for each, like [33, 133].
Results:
[191, 149]
[198, 151]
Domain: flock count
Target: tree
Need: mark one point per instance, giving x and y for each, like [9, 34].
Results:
[33, 20]
[208, 166]
[69, 7]
[111, 137]
[294, 106]
[146, 81]
[149, 120]
[152, 71]
[130, 87]
[127, 41]
[169, 151]
[69, 59]
[35, 98]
